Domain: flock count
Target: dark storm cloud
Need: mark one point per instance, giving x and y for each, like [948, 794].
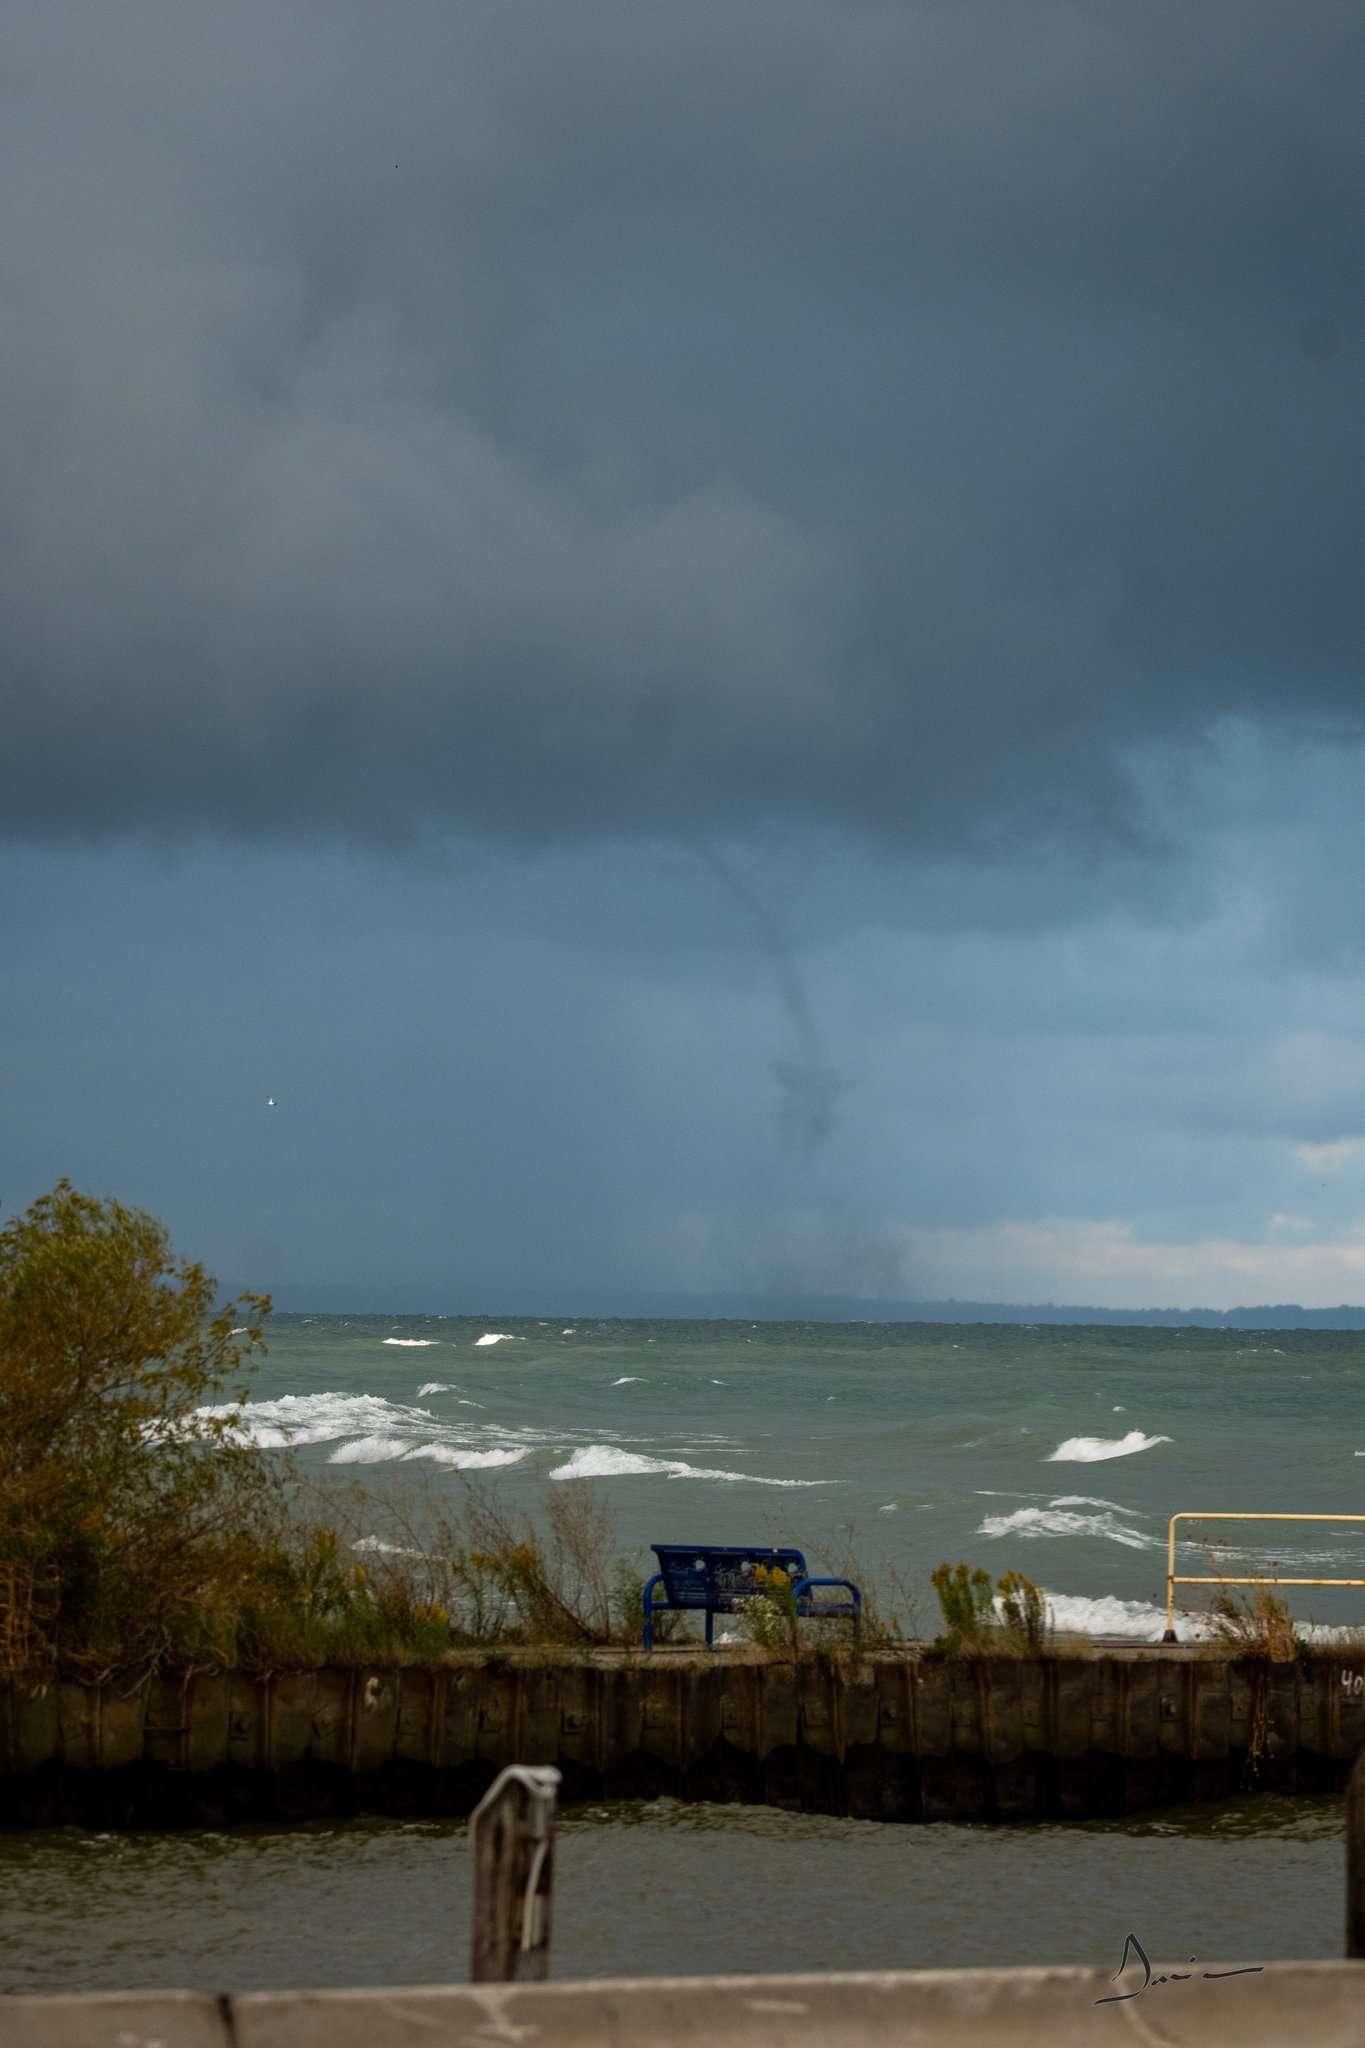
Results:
[555, 420]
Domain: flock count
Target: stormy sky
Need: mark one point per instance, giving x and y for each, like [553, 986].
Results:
[723, 643]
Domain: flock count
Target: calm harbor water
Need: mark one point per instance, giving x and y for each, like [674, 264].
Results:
[664, 1889]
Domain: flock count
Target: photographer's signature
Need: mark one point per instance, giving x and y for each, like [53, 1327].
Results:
[1132, 1946]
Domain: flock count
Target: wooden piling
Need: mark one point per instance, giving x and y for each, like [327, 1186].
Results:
[513, 1829]
[1355, 1862]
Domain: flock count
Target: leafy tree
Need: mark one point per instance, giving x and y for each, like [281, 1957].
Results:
[131, 1520]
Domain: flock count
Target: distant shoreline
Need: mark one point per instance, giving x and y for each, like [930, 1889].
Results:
[335, 1301]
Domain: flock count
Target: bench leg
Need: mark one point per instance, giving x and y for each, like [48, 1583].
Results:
[647, 1597]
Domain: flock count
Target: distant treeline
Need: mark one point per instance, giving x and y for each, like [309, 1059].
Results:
[1280, 1315]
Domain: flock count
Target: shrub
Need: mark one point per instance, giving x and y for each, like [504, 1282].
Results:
[980, 1617]
[966, 1602]
[1024, 1609]
[130, 1519]
[1255, 1623]
[768, 1616]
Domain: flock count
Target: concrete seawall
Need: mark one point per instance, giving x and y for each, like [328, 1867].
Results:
[890, 1736]
[1282, 2006]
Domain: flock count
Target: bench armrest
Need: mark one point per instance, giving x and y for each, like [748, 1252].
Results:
[801, 1591]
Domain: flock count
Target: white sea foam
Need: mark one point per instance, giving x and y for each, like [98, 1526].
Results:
[383, 1450]
[608, 1461]
[295, 1419]
[1088, 1500]
[412, 1343]
[378, 1547]
[889, 1507]
[629, 1379]
[1053, 1521]
[467, 1461]
[370, 1450]
[570, 1332]
[1110, 1616]
[368, 1430]
[1092, 1450]
[433, 1387]
[498, 1337]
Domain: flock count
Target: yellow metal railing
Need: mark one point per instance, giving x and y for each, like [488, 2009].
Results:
[1174, 1578]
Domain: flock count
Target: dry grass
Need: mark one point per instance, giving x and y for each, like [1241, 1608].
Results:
[1251, 1621]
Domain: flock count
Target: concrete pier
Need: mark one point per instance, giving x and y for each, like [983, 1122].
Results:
[889, 1736]
[1282, 2006]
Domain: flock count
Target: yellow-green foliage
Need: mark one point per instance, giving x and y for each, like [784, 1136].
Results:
[968, 1602]
[128, 1518]
[768, 1616]
[1023, 1608]
[965, 1601]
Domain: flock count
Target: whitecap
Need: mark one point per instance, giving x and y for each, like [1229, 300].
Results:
[369, 1450]
[571, 1332]
[629, 1379]
[607, 1461]
[378, 1547]
[296, 1419]
[497, 1337]
[1088, 1500]
[433, 1387]
[1092, 1450]
[1034, 1522]
[411, 1343]
[383, 1450]
[889, 1507]
[467, 1461]
[1108, 1615]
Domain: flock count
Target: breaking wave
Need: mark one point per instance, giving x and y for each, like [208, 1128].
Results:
[368, 1430]
[1108, 1615]
[497, 1337]
[628, 1379]
[1065, 1521]
[378, 1450]
[1111, 1616]
[1088, 1500]
[607, 1461]
[412, 1343]
[1091, 1450]
[433, 1387]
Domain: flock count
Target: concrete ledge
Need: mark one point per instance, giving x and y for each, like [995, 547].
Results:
[1282, 2007]
[123, 2019]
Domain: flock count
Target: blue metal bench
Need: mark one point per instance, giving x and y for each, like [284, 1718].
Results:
[714, 1576]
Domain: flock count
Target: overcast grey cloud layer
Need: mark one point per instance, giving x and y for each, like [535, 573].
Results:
[736, 628]
[554, 420]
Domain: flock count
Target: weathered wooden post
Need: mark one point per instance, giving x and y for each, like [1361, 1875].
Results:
[1355, 1861]
[513, 1833]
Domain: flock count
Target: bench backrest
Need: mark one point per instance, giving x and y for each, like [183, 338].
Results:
[716, 1575]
